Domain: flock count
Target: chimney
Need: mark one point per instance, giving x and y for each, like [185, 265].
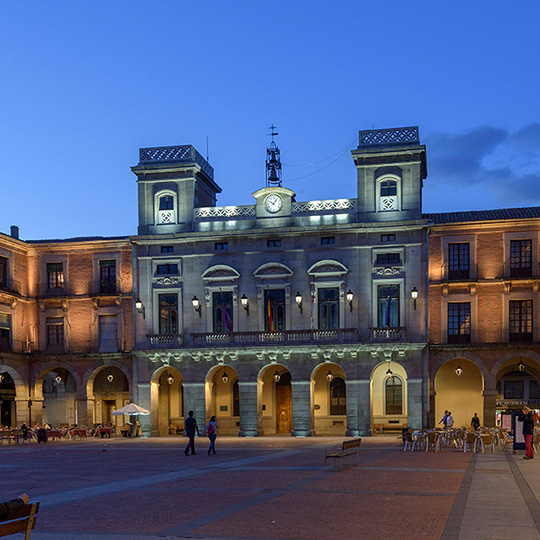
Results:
[15, 231]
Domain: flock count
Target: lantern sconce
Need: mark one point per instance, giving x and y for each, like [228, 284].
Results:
[459, 371]
[1, 377]
[225, 377]
[329, 375]
[277, 376]
[389, 373]
[196, 305]
[170, 378]
[245, 303]
[521, 366]
[140, 307]
[414, 295]
[110, 377]
[298, 299]
[58, 379]
[350, 296]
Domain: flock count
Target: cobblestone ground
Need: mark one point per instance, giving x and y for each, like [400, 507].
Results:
[266, 488]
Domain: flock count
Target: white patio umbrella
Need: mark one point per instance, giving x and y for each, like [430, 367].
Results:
[131, 409]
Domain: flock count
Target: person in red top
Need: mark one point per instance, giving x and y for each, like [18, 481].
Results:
[526, 417]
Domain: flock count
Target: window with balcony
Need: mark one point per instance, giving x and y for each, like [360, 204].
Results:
[165, 208]
[459, 322]
[55, 275]
[55, 332]
[338, 397]
[388, 259]
[222, 305]
[393, 388]
[520, 258]
[3, 272]
[5, 332]
[388, 306]
[274, 310]
[388, 195]
[328, 308]
[168, 313]
[107, 276]
[166, 269]
[520, 323]
[108, 333]
[458, 261]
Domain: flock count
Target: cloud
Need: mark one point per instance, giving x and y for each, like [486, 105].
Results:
[505, 164]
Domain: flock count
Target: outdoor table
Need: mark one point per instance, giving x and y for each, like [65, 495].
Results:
[54, 433]
[77, 433]
[103, 431]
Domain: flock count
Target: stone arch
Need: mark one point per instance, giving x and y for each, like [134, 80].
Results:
[274, 399]
[222, 397]
[328, 399]
[220, 272]
[327, 268]
[381, 417]
[167, 401]
[11, 413]
[21, 387]
[273, 270]
[43, 368]
[510, 355]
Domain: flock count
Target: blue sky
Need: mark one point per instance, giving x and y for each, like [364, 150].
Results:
[86, 84]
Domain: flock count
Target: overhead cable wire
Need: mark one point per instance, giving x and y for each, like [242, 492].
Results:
[321, 160]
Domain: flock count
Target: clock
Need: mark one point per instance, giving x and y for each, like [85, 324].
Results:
[273, 203]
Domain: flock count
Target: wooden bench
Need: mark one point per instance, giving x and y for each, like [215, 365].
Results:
[21, 520]
[348, 449]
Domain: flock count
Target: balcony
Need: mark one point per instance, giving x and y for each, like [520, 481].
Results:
[102, 288]
[384, 333]
[51, 291]
[10, 286]
[164, 341]
[524, 271]
[11, 345]
[462, 274]
[289, 337]
[102, 346]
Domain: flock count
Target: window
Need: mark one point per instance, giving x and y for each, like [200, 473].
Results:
[236, 399]
[167, 269]
[3, 272]
[167, 249]
[520, 258]
[274, 310]
[388, 195]
[222, 305]
[5, 332]
[458, 261]
[338, 397]
[55, 275]
[273, 243]
[388, 259]
[168, 313]
[459, 322]
[221, 246]
[107, 276]
[393, 395]
[166, 202]
[520, 314]
[328, 240]
[534, 389]
[388, 306]
[328, 308]
[388, 237]
[513, 389]
[108, 333]
[55, 331]
[388, 188]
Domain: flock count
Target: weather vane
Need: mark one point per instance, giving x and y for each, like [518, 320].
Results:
[273, 163]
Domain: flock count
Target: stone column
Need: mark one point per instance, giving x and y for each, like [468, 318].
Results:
[144, 399]
[248, 409]
[490, 405]
[415, 403]
[358, 407]
[194, 400]
[301, 408]
[432, 420]
[85, 412]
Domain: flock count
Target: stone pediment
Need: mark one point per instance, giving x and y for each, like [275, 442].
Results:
[273, 271]
[327, 268]
[220, 272]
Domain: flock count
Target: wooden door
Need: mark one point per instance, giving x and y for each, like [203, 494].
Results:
[284, 409]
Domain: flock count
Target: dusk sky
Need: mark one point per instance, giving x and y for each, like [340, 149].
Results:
[86, 84]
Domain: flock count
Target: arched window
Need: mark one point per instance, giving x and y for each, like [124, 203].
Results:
[389, 195]
[165, 208]
[394, 395]
[338, 397]
[388, 187]
[235, 399]
[166, 202]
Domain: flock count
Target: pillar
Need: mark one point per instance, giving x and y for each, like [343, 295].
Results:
[144, 400]
[490, 406]
[301, 408]
[194, 400]
[415, 403]
[85, 412]
[248, 409]
[358, 407]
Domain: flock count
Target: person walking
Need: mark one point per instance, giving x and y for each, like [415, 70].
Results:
[444, 419]
[475, 422]
[190, 427]
[449, 420]
[526, 417]
[211, 431]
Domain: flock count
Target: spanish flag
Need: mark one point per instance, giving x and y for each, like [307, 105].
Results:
[270, 321]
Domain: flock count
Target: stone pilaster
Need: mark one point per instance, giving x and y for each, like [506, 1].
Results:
[85, 412]
[490, 405]
[415, 403]
[301, 408]
[358, 407]
[148, 422]
[248, 409]
[194, 400]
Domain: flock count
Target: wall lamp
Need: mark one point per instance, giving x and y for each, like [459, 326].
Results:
[298, 299]
[170, 378]
[277, 376]
[329, 375]
[414, 295]
[350, 296]
[245, 303]
[521, 366]
[110, 377]
[196, 305]
[140, 306]
[225, 377]
[459, 371]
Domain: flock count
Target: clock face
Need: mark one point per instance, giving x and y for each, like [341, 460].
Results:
[273, 203]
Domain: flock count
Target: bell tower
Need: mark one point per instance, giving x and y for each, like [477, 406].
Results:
[273, 162]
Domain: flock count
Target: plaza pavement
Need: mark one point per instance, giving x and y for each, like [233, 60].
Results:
[271, 488]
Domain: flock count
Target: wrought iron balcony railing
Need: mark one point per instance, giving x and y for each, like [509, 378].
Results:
[102, 288]
[10, 286]
[52, 290]
[174, 154]
[12, 345]
[462, 274]
[513, 271]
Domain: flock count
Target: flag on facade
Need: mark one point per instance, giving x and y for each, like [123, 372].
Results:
[270, 320]
[227, 323]
[312, 308]
[387, 314]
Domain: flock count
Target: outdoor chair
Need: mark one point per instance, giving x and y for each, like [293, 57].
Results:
[486, 439]
[536, 442]
[408, 441]
[469, 441]
[432, 439]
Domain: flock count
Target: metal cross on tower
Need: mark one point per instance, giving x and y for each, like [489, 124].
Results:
[273, 163]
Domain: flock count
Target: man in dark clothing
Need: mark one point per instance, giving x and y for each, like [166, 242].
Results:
[475, 422]
[7, 507]
[190, 426]
[526, 417]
